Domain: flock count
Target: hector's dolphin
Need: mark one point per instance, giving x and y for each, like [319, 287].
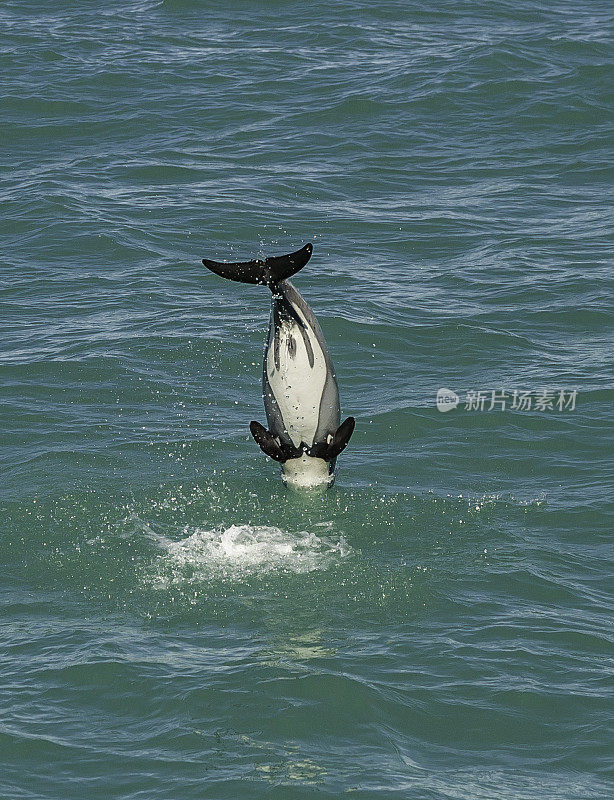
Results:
[301, 398]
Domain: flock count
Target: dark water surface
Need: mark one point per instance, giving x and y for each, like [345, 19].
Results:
[176, 624]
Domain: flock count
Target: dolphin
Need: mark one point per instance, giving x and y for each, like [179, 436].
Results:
[299, 387]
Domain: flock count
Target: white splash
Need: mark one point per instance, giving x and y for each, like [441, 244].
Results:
[242, 550]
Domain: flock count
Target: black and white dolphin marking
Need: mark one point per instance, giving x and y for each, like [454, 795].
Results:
[301, 397]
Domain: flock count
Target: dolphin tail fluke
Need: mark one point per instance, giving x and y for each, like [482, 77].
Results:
[341, 438]
[267, 442]
[269, 272]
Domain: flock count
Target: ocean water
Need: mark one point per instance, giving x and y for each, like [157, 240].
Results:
[175, 623]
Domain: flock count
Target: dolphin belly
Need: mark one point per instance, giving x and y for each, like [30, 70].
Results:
[295, 371]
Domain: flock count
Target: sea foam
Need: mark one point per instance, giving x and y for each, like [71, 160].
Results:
[241, 550]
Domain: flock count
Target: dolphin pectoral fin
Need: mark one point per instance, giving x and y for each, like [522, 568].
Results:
[269, 272]
[341, 438]
[266, 441]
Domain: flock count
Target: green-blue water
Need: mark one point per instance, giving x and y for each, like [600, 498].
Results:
[176, 624]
